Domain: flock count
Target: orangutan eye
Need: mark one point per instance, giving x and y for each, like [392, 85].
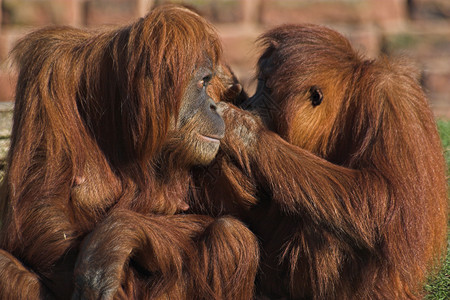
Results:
[315, 95]
[203, 83]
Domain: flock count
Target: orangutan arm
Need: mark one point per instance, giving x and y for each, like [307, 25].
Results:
[158, 243]
[338, 198]
[196, 253]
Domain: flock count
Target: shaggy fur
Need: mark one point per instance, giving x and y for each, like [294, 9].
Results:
[348, 195]
[89, 149]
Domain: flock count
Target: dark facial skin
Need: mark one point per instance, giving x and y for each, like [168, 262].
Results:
[262, 102]
[267, 106]
[199, 124]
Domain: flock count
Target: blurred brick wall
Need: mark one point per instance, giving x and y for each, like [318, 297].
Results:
[419, 29]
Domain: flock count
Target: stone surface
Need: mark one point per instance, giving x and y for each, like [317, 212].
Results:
[107, 12]
[5, 132]
[430, 9]
[418, 29]
[275, 12]
[40, 12]
[217, 11]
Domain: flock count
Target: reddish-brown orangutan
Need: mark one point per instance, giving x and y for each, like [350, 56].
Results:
[347, 193]
[107, 125]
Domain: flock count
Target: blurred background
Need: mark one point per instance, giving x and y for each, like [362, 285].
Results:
[418, 29]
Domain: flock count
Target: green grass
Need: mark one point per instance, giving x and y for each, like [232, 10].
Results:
[439, 286]
[444, 130]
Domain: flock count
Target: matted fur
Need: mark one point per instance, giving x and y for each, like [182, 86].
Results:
[351, 200]
[92, 115]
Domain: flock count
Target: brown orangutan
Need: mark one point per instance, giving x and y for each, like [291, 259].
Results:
[347, 192]
[107, 125]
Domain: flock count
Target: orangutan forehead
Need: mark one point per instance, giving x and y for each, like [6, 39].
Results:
[203, 66]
